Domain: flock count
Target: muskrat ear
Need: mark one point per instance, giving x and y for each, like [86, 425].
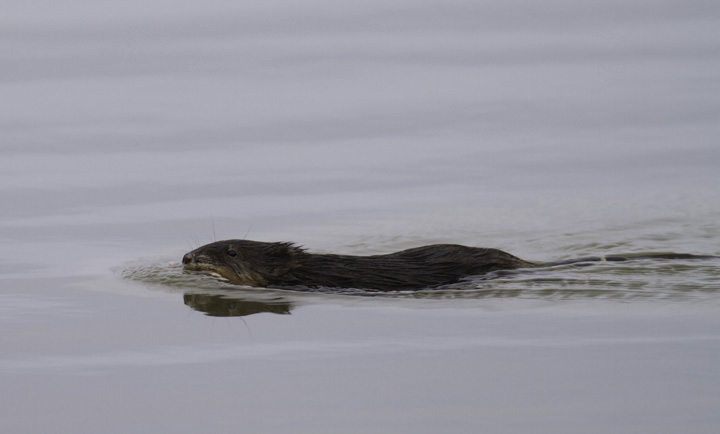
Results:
[280, 250]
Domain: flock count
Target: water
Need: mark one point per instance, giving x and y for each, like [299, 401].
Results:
[135, 132]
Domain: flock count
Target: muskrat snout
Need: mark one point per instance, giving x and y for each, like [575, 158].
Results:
[188, 258]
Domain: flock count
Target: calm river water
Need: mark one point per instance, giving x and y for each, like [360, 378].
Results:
[132, 132]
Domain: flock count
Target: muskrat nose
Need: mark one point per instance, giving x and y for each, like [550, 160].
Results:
[187, 258]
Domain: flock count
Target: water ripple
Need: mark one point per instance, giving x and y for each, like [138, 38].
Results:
[633, 280]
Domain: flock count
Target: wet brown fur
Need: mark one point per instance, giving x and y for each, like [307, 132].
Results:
[285, 265]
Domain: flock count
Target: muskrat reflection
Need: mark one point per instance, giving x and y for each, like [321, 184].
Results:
[222, 306]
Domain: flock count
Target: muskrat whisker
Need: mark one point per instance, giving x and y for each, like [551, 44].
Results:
[212, 220]
[249, 228]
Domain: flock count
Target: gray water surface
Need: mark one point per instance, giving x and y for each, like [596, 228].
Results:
[134, 132]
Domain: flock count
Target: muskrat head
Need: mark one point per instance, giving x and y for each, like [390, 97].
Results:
[244, 262]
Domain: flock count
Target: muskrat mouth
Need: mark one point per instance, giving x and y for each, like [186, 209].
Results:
[207, 269]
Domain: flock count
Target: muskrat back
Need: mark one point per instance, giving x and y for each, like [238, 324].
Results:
[286, 265]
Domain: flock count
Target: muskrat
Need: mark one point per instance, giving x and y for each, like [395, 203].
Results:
[285, 265]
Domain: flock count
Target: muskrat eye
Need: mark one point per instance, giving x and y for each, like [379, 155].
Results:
[232, 252]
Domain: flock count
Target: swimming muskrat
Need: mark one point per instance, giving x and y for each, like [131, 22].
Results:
[285, 265]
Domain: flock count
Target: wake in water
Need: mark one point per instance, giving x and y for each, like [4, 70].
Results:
[645, 278]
